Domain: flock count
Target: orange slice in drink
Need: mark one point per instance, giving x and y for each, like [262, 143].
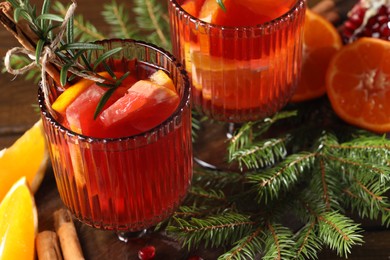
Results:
[320, 42]
[28, 157]
[18, 223]
[161, 78]
[192, 6]
[71, 93]
[235, 14]
[358, 84]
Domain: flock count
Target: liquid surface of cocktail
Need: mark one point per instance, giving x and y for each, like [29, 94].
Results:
[130, 166]
[244, 61]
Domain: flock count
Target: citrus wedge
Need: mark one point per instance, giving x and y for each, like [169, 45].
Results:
[18, 223]
[358, 84]
[28, 157]
[320, 42]
[161, 78]
[71, 93]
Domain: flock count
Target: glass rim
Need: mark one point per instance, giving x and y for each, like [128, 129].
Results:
[300, 4]
[184, 101]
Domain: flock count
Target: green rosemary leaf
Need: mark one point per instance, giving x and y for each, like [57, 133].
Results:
[69, 31]
[80, 46]
[38, 50]
[105, 85]
[45, 10]
[105, 56]
[23, 13]
[87, 62]
[109, 70]
[103, 101]
[13, 3]
[64, 73]
[45, 7]
[52, 17]
[120, 80]
[220, 2]
[17, 13]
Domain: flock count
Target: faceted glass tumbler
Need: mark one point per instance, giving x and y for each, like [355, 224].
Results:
[239, 74]
[129, 183]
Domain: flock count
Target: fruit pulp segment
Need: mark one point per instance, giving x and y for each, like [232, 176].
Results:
[145, 104]
[134, 107]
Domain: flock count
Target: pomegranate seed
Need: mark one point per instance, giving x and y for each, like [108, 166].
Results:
[147, 253]
[377, 26]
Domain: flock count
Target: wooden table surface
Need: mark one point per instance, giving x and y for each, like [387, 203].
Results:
[17, 114]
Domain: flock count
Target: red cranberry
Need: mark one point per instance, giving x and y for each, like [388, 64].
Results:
[147, 253]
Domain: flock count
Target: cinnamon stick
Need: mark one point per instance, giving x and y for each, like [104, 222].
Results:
[66, 231]
[328, 10]
[48, 247]
[26, 37]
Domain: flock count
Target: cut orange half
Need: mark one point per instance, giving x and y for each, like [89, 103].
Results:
[358, 84]
[28, 157]
[18, 223]
[320, 42]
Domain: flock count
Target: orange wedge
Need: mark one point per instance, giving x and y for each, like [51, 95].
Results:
[71, 93]
[192, 6]
[28, 157]
[18, 223]
[161, 78]
[320, 42]
[358, 84]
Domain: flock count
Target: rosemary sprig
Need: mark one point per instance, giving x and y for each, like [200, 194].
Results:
[72, 57]
[220, 2]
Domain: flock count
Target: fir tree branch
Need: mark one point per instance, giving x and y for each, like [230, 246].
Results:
[279, 243]
[155, 22]
[215, 195]
[246, 248]
[339, 232]
[84, 30]
[149, 18]
[270, 182]
[116, 16]
[261, 154]
[216, 179]
[307, 241]
[324, 184]
[214, 231]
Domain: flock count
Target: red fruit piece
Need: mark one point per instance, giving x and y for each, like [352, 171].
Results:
[79, 115]
[368, 19]
[145, 106]
[147, 253]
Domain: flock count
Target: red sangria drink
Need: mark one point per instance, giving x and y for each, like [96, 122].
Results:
[128, 166]
[243, 58]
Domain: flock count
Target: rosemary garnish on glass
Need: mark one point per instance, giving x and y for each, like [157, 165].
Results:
[50, 39]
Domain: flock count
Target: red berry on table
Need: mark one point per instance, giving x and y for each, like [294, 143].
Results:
[147, 253]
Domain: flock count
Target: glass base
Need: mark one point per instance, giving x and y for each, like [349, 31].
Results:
[211, 146]
[126, 236]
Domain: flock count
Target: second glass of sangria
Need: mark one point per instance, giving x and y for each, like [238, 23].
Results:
[243, 58]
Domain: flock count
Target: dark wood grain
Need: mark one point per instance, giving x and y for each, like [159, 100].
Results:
[17, 115]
